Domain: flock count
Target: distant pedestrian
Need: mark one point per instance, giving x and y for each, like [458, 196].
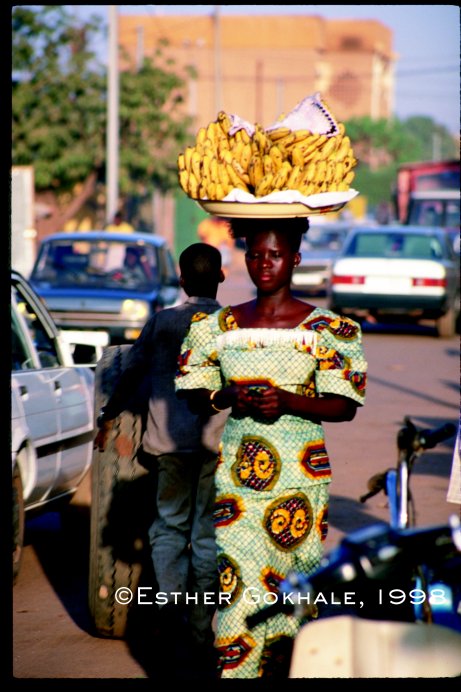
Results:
[119, 225]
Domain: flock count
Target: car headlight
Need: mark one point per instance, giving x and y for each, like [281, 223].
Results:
[135, 309]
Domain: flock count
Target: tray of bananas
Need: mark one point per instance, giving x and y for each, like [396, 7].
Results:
[300, 166]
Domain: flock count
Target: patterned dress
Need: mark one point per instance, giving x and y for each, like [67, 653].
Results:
[272, 477]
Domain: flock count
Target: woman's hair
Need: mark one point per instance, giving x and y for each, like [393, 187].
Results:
[293, 228]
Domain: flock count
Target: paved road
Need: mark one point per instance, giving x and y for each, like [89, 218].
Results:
[410, 373]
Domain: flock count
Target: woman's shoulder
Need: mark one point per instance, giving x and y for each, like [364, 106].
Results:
[326, 321]
[220, 320]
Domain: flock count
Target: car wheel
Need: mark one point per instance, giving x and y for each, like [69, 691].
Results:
[18, 522]
[446, 324]
[122, 505]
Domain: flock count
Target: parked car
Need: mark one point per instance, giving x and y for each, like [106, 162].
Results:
[319, 248]
[409, 271]
[52, 412]
[108, 281]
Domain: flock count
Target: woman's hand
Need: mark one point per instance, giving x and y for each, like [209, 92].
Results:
[268, 403]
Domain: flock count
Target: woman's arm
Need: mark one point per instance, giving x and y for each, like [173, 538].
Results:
[271, 403]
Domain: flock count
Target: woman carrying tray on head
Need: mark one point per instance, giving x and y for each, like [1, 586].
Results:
[282, 366]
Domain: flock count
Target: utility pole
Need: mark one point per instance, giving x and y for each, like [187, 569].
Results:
[112, 137]
[217, 58]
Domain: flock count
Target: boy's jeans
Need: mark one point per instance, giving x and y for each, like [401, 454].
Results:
[182, 538]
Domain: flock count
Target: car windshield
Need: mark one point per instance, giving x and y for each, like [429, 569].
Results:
[395, 245]
[97, 264]
[323, 239]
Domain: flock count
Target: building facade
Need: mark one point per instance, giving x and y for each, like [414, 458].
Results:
[260, 67]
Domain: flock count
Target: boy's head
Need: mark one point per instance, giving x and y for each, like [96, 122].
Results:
[200, 267]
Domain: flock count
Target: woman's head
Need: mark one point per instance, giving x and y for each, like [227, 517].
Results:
[272, 251]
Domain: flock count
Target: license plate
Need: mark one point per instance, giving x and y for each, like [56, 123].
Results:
[307, 279]
[388, 284]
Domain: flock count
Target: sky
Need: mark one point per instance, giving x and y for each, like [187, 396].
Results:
[426, 39]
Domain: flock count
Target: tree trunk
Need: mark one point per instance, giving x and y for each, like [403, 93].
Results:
[59, 214]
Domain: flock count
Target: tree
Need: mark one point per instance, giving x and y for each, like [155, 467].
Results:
[59, 113]
[381, 145]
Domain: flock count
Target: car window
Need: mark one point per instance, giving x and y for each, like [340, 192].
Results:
[43, 342]
[322, 238]
[399, 245]
[97, 264]
[21, 358]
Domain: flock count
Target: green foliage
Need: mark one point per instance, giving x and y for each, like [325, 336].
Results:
[59, 108]
[381, 145]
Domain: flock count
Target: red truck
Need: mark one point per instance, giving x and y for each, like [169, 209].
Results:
[428, 193]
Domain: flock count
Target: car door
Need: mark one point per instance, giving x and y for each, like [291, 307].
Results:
[34, 408]
[67, 400]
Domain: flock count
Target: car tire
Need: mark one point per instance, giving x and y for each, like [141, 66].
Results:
[122, 507]
[18, 525]
[446, 324]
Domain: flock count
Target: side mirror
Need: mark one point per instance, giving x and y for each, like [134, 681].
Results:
[84, 347]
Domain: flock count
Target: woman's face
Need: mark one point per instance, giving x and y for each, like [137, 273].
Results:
[270, 260]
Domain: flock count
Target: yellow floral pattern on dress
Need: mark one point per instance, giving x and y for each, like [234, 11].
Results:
[288, 520]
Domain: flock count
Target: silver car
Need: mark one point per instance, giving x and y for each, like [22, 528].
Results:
[52, 412]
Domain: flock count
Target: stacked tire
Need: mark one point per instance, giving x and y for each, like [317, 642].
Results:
[122, 506]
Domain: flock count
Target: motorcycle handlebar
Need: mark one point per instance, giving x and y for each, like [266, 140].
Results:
[430, 438]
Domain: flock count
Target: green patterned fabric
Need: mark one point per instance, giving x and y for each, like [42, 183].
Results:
[272, 477]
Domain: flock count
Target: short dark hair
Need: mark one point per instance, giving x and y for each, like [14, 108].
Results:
[293, 228]
[200, 266]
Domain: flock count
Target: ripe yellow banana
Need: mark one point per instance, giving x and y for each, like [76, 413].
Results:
[201, 135]
[181, 162]
[301, 136]
[255, 169]
[245, 156]
[206, 162]
[339, 172]
[279, 133]
[219, 192]
[193, 186]
[265, 185]
[235, 179]
[297, 156]
[224, 122]
[223, 175]
[236, 150]
[188, 158]
[280, 178]
[262, 141]
[240, 172]
[320, 171]
[267, 164]
[211, 190]
[344, 149]
[293, 178]
[277, 157]
[196, 164]
[214, 174]
[184, 180]
[328, 148]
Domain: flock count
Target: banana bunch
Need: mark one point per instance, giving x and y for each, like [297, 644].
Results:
[269, 160]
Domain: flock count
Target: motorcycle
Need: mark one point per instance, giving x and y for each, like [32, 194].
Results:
[388, 596]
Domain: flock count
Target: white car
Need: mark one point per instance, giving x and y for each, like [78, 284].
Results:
[411, 272]
[52, 412]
